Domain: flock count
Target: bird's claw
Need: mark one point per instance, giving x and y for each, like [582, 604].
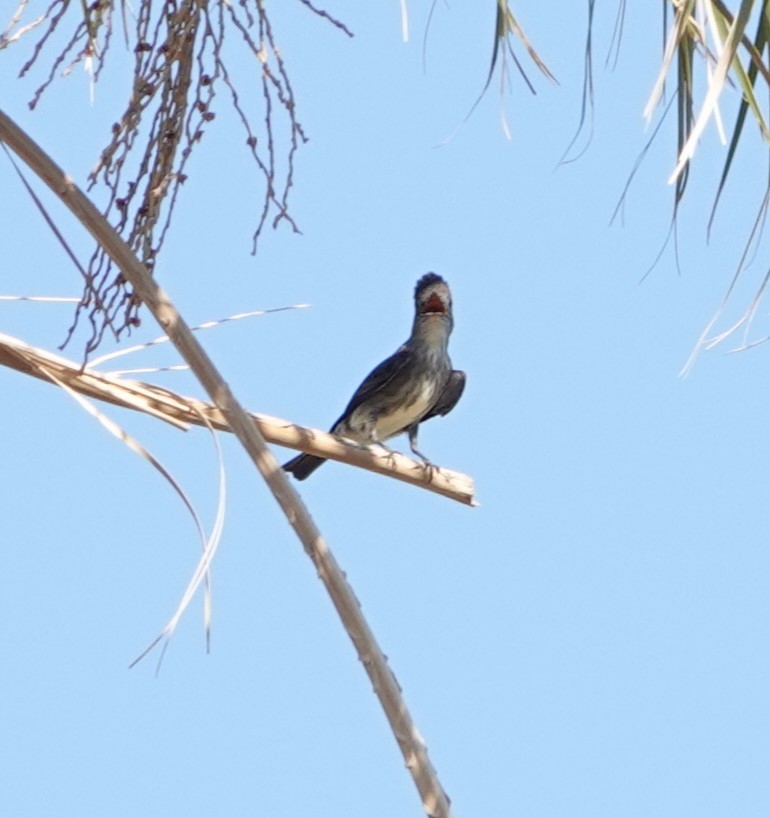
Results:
[430, 469]
[378, 448]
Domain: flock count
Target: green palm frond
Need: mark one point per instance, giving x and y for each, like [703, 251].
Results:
[747, 80]
[716, 77]
[507, 28]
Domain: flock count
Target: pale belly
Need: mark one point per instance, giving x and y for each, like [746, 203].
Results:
[397, 421]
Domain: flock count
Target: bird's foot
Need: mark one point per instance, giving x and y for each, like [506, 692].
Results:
[378, 448]
[430, 470]
[428, 467]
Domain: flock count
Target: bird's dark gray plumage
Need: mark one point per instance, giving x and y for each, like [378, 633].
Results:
[415, 384]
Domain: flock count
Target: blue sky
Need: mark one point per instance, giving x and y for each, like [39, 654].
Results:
[591, 641]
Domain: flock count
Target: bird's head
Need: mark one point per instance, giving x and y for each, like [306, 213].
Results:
[433, 310]
[432, 296]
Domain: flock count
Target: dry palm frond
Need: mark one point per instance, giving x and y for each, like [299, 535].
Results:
[707, 47]
[209, 542]
[691, 37]
[164, 339]
[706, 28]
[587, 101]
[183, 411]
[48, 299]
[707, 340]
[201, 574]
[506, 29]
[404, 21]
[434, 800]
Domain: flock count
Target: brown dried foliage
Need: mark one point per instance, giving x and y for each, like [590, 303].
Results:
[179, 67]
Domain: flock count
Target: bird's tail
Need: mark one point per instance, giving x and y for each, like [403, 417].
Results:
[303, 465]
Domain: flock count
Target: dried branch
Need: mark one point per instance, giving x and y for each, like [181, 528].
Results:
[179, 66]
[14, 31]
[181, 411]
[434, 800]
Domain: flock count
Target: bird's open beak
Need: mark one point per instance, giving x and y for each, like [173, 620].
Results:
[432, 305]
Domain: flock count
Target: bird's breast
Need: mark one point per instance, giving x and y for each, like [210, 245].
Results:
[400, 416]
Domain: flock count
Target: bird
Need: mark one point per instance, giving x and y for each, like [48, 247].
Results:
[414, 384]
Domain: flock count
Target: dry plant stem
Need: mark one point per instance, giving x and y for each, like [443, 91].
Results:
[182, 51]
[434, 799]
[182, 410]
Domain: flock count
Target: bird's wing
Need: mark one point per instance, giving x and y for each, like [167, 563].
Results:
[377, 380]
[448, 398]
